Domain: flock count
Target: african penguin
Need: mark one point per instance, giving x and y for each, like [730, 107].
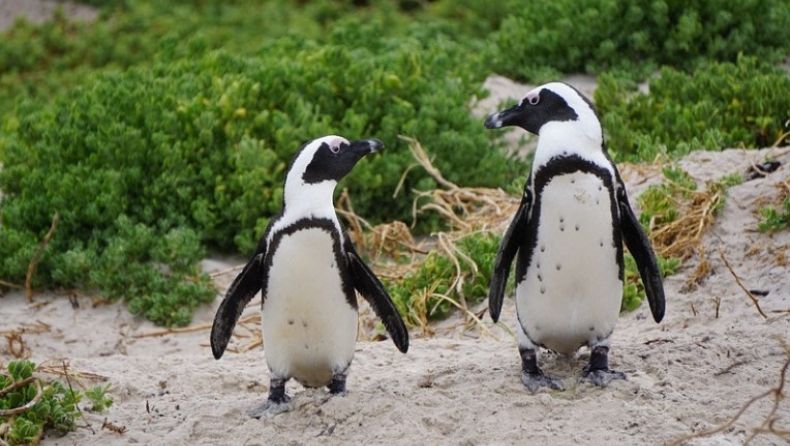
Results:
[307, 271]
[568, 234]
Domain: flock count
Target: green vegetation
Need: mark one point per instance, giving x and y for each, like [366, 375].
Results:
[55, 409]
[721, 105]
[428, 291]
[660, 202]
[161, 131]
[775, 219]
[541, 40]
[148, 166]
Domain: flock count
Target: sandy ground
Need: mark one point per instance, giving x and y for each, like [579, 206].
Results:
[695, 370]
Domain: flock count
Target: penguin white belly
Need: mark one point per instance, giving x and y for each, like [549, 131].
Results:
[309, 329]
[571, 294]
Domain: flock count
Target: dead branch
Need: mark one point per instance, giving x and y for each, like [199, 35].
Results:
[170, 331]
[740, 284]
[31, 268]
[11, 285]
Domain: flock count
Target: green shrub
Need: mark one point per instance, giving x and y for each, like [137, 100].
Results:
[57, 409]
[774, 219]
[148, 166]
[722, 105]
[418, 295]
[541, 39]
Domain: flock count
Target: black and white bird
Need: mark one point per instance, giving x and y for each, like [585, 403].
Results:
[307, 271]
[568, 235]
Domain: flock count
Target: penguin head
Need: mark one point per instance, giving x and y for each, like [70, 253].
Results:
[321, 163]
[331, 158]
[553, 105]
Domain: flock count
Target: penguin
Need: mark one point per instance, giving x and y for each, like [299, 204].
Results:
[567, 235]
[307, 270]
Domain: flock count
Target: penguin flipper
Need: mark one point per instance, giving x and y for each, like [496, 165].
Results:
[371, 288]
[511, 242]
[639, 247]
[240, 293]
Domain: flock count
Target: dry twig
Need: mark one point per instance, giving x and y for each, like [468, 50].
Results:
[31, 268]
[112, 427]
[740, 284]
[29, 404]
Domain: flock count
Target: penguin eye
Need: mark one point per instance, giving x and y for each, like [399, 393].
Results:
[335, 148]
[533, 100]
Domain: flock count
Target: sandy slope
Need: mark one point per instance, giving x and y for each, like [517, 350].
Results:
[691, 372]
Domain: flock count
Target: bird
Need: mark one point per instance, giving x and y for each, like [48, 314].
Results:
[567, 236]
[307, 270]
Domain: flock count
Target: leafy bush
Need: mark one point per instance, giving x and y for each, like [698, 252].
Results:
[145, 166]
[56, 409]
[542, 39]
[39, 61]
[427, 293]
[723, 105]
[774, 219]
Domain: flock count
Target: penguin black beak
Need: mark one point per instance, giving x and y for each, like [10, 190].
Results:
[367, 146]
[503, 118]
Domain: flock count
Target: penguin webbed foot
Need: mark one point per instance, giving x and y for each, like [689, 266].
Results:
[534, 381]
[338, 385]
[601, 377]
[532, 376]
[270, 407]
[276, 403]
[597, 371]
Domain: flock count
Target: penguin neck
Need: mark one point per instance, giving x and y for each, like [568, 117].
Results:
[309, 201]
[564, 139]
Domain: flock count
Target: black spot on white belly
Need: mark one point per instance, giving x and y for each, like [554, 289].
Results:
[290, 321]
[540, 278]
[543, 289]
[306, 346]
[601, 243]
[573, 180]
[592, 328]
[542, 248]
[577, 228]
[304, 324]
[562, 228]
[597, 201]
[559, 267]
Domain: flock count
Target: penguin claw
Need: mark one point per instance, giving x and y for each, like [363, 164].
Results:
[533, 382]
[601, 377]
[269, 408]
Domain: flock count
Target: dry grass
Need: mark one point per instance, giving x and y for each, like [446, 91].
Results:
[682, 237]
[15, 342]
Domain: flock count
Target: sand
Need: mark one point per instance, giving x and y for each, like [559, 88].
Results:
[712, 353]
